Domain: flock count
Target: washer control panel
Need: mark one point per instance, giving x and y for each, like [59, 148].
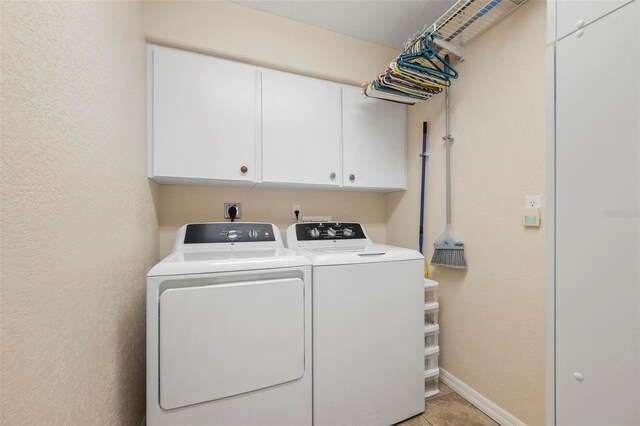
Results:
[329, 231]
[207, 233]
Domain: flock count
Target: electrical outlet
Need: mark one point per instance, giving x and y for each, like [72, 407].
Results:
[229, 205]
[533, 201]
[293, 211]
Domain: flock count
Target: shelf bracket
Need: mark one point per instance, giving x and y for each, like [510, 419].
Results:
[451, 47]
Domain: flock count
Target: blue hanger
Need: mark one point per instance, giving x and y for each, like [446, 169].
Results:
[426, 52]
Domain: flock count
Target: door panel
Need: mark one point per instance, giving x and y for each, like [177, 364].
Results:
[597, 226]
[203, 116]
[222, 340]
[570, 12]
[368, 343]
[374, 141]
[301, 140]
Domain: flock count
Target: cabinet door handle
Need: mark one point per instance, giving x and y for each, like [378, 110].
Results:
[244, 169]
[352, 177]
[332, 175]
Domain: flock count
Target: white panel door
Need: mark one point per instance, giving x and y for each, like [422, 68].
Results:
[597, 223]
[572, 15]
[222, 340]
[368, 343]
[374, 142]
[301, 140]
[204, 117]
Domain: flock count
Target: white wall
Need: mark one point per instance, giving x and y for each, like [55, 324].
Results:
[492, 315]
[79, 229]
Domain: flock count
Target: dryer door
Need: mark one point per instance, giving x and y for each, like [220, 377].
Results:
[222, 340]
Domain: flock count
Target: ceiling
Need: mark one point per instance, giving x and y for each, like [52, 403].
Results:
[385, 22]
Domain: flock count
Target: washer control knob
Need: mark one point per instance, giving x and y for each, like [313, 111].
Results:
[331, 232]
[314, 233]
[232, 235]
[347, 232]
[253, 234]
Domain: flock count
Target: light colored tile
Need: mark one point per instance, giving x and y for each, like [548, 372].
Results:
[453, 410]
[444, 389]
[415, 421]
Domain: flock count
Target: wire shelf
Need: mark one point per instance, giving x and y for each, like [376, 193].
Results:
[464, 21]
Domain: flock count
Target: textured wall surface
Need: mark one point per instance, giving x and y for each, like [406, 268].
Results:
[237, 32]
[181, 204]
[79, 229]
[492, 315]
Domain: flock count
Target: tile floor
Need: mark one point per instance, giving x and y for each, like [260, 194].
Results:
[447, 408]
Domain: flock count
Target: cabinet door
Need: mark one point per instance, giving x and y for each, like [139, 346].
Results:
[597, 227]
[301, 141]
[374, 142]
[204, 117]
[574, 14]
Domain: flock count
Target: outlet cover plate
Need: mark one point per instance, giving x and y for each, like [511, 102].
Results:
[226, 210]
[533, 201]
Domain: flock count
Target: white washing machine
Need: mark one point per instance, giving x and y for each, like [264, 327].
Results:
[229, 329]
[368, 325]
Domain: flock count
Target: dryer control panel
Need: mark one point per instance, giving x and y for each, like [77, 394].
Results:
[329, 231]
[207, 233]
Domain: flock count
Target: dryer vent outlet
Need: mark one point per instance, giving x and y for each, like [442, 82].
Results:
[227, 206]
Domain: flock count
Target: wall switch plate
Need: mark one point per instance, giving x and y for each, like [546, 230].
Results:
[293, 211]
[226, 210]
[531, 217]
[533, 201]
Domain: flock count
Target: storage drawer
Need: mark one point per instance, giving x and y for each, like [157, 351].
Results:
[431, 333]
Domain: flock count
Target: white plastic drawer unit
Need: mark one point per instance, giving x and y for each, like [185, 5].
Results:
[431, 332]
[431, 313]
[203, 358]
[431, 379]
[431, 358]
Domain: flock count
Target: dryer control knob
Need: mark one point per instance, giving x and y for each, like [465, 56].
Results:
[314, 233]
[347, 232]
[232, 235]
[253, 234]
[331, 232]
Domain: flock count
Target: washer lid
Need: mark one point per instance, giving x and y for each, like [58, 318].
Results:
[372, 253]
[227, 259]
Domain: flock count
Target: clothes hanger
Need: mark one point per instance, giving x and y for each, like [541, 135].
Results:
[422, 58]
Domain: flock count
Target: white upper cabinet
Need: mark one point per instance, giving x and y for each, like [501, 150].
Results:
[374, 142]
[203, 118]
[219, 122]
[572, 15]
[301, 130]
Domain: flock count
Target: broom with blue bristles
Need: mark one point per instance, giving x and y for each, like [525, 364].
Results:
[449, 250]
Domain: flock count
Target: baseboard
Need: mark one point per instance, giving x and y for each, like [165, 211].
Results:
[490, 408]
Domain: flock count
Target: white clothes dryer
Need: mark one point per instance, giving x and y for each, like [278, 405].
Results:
[229, 329]
[368, 325]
